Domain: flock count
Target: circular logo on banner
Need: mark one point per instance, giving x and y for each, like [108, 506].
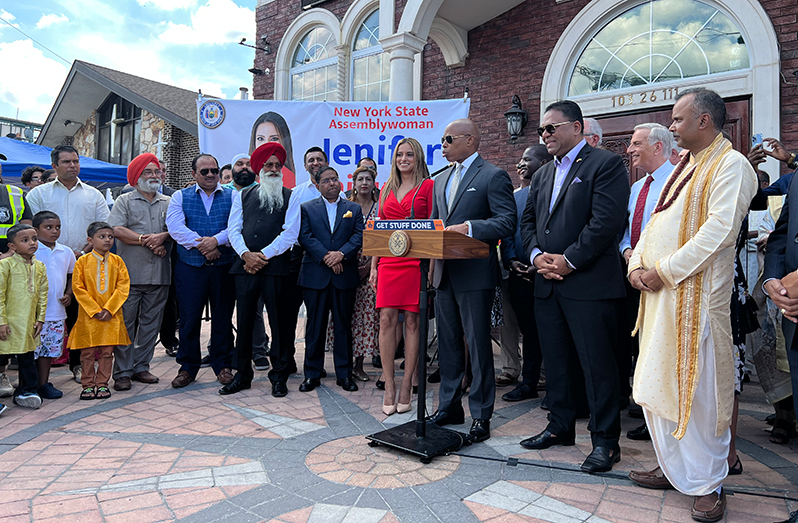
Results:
[399, 243]
[211, 114]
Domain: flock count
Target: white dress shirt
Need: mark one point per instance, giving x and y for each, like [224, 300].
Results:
[60, 263]
[280, 244]
[77, 207]
[305, 192]
[176, 219]
[660, 176]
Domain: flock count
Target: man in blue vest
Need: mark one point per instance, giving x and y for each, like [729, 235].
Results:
[197, 221]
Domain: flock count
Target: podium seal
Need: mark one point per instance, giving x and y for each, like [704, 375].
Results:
[399, 243]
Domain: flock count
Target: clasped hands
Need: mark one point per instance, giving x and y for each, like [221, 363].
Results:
[334, 260]
[646, 280]
[154, 242]
[779, 292]
[103, 315]
[254, 261]
[552, 266]
[208, 247]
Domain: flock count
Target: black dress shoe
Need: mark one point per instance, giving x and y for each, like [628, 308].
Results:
[435, 377]
[323, 374]
[237, 385]
[480, 430]
[520, 393]
[309, 384]
[279, 390]
[443, 417]
[546, 440]
[601, 460]
[348, 384]
[380, 384]
[376, 361]
[639, 434]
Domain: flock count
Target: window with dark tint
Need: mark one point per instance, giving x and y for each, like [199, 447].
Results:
[118, 130]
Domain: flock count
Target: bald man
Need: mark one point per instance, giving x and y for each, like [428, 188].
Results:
[475, 198]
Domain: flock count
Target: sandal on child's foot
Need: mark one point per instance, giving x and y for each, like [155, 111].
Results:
[103, 392]
[88, 394]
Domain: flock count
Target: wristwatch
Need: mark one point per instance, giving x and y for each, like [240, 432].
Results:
[791, 163]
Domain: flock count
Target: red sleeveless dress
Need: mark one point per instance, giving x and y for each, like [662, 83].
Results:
[399, 279]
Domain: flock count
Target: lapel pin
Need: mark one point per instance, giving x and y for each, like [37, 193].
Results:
[578, 160]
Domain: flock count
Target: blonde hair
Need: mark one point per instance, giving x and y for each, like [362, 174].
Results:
[420, 170]
[370, 172]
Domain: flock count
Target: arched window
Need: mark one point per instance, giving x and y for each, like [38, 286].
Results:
[371, 69]
[314, 68]
[658, 41]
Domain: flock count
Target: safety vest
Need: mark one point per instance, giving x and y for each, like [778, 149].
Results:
[17, 208]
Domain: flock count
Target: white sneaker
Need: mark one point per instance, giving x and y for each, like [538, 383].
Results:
[77, 372]
[6, 389]
[28, 400]
[2, 408]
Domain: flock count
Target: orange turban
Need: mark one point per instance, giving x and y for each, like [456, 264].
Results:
[264, 152]
[138, 164]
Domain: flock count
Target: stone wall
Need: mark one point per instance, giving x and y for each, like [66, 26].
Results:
[151, 129]
[181, 148]
[83, 140]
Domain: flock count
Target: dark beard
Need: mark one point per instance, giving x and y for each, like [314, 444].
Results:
[244, 177]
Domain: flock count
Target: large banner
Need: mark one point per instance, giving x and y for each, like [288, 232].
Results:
[347, 131]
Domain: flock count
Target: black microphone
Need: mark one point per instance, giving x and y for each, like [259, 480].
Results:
[413, 201]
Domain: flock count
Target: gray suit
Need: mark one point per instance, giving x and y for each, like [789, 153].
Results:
[465, 288]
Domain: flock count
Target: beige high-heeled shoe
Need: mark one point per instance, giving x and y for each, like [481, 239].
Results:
[401, 408]
[388, 409]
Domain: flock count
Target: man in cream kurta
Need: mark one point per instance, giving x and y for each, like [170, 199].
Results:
[684, 266]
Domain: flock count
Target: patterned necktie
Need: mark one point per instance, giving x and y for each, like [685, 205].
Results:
[640, 206]
[454, 186]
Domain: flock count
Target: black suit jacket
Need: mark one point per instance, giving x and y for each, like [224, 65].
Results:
[317, 239]
[584, 224]
[781, 256]
[485, 198]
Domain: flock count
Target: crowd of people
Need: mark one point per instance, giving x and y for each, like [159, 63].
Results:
[577, 262]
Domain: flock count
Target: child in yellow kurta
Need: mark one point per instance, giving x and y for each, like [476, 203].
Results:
[101, 285]
[23, 303]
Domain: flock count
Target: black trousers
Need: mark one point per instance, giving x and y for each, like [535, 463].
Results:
[573, 332]
[522, 294]
[320, 302]
[294, 298]
[28, 375]
[465, 314]
[273, 290]
[72, 318]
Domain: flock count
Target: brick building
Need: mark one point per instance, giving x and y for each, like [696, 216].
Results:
[622, 61]
[115, 116]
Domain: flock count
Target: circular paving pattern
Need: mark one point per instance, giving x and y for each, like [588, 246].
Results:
[350, 461]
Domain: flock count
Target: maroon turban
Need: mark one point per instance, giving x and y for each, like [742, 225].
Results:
[138, 164]
[264, 152]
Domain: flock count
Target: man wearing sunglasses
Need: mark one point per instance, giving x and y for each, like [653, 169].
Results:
[475, 198]
[573, 219]
[197, 221]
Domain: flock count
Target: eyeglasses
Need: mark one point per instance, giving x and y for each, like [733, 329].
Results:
[204, 172]
[150, 172]
[449, 138]
[328, 181]
[551, 128]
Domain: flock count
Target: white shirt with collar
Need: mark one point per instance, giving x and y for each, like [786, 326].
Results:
[660, 176]
[305, 192]
[465, 165]
[77, 207]
[332, 209]
[176, 219]
[280, 244]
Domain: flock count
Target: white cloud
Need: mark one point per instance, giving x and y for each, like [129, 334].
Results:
[217, 22]
[33, 98]
[8, 17]
[51, 19]
[168, 5]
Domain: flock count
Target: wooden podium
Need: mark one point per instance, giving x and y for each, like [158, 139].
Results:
[423, 239]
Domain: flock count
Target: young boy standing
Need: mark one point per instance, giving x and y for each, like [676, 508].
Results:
[60, 262]
[101, 285]
[23, 304]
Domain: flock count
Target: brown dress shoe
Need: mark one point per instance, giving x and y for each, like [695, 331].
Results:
[710, 507]
[145, 376]
[122, 384]
[225, 376]
[183, 378]
[655, 479]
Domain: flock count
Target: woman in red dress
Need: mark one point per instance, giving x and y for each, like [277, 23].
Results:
[398, 280]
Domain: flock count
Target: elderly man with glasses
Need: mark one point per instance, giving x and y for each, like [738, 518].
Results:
[197, 221]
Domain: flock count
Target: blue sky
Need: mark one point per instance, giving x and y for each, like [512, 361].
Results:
[188, 43]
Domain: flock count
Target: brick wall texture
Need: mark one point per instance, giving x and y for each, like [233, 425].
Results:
[508, 55]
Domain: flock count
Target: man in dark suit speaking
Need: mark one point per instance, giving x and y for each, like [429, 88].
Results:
[331, 232]
[571, 225]
[474, 198]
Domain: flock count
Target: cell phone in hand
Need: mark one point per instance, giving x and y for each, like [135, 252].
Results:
[756, 140]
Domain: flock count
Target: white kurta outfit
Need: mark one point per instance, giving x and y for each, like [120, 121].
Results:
[685, 372]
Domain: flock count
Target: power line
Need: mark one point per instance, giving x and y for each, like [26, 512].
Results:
[9, 24]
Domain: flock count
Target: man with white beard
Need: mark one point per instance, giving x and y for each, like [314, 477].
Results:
[139, 222]
[263, 225]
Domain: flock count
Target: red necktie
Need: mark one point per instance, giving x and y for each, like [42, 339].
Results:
[640, 207]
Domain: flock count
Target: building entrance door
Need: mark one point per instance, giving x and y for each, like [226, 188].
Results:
[618, 129]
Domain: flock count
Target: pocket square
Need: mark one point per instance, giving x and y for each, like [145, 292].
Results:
[576, 180]
[347, 214]
[471, 189]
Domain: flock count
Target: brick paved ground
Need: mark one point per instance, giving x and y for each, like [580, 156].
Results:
[159, 454]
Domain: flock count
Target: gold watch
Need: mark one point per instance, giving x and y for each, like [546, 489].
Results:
[791, 163]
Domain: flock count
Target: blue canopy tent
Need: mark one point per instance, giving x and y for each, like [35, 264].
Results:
[23, 154]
